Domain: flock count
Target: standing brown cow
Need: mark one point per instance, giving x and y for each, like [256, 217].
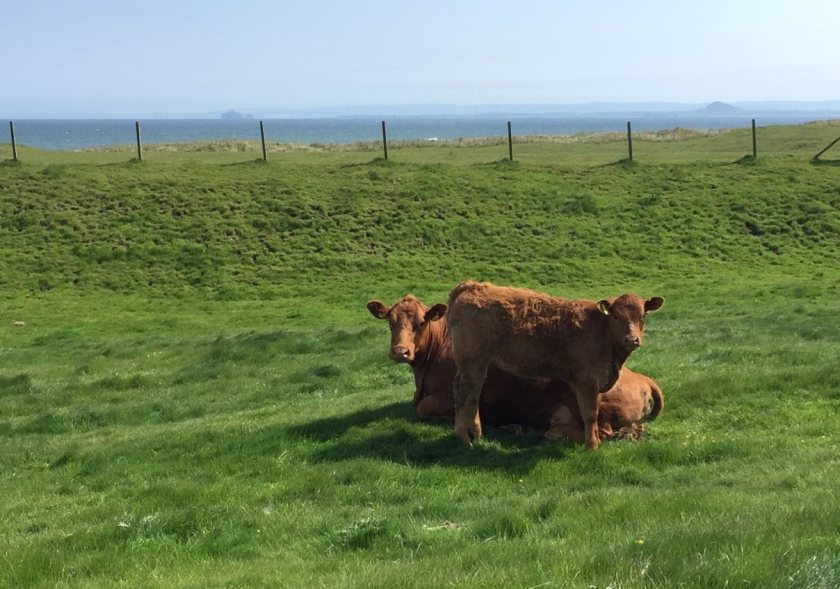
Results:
[534, 335]
[420, 338]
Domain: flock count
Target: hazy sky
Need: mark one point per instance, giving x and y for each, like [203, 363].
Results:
[113, 57]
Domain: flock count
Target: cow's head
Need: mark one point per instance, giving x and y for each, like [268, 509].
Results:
[626, 315]
[409, 320]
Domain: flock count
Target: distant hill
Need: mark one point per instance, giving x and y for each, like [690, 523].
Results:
[719, 109]
[233, 115]
[829, 108]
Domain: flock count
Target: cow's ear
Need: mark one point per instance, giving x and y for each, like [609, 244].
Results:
[604, 306]
[653, 303]
[435, 313]
[377, 309]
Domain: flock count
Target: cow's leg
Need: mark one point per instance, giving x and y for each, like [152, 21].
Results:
[466, 393]
[435, 406]
[587, 398]
[564, 424]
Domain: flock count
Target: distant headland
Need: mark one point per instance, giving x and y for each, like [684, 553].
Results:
[826, 108]
[235, 115]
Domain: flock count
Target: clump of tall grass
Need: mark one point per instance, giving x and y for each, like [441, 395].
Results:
[242, 146]
[825, 123]
[360, 533]
[211, 146]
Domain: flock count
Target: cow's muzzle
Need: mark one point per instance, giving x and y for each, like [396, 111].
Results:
[632, 342]
[401, 354]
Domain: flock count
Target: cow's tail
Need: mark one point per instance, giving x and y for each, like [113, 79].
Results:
[658, 400]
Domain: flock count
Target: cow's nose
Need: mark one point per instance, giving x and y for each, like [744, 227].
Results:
[400, 354]
[632, 341]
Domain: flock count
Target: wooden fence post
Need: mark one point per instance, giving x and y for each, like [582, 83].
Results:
[262, 139]
[816, 158]
[629, 143]
[510, 143]
[139, 146]
[384, 140]
[755, 149]
[14, 144]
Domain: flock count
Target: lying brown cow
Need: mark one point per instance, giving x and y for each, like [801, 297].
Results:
[633, 399]
[534, 335]
[421, 340]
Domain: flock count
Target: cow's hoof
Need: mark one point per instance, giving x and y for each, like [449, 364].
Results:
[592, 444]
[465, 437]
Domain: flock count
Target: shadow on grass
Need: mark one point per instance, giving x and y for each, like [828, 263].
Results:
[376, 162]
[125, 164]
[502, 164]
[622, 163]
[394, 434]
[821, 162]
[506, 453]
[747, 160]
[259, 161]
[214, 356]
[389, 433]
[15, 385]
[328, 428]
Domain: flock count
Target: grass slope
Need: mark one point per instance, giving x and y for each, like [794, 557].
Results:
[255, 229]
[198, 397]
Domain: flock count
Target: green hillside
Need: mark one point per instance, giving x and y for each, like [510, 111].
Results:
[192, 392]
[251, 229]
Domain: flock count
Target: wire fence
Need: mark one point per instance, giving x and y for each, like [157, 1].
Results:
[382, 143]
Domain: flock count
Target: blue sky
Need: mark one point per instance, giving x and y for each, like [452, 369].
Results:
[105, 58]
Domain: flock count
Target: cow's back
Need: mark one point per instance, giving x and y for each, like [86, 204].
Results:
[522, 331]
[635, 398]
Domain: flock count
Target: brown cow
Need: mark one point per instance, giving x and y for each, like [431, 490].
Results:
[534, 335]
[421, 340]
[633, 399]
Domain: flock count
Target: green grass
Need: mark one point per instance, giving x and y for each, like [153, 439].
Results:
[198, 396]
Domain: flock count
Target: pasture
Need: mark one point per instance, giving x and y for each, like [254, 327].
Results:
[193, 394]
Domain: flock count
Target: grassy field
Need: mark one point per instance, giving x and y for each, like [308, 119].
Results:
[193, 394]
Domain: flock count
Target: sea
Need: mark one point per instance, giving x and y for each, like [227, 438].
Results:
[77, 134]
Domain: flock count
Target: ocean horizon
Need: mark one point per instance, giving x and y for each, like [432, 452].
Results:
[80, 134]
